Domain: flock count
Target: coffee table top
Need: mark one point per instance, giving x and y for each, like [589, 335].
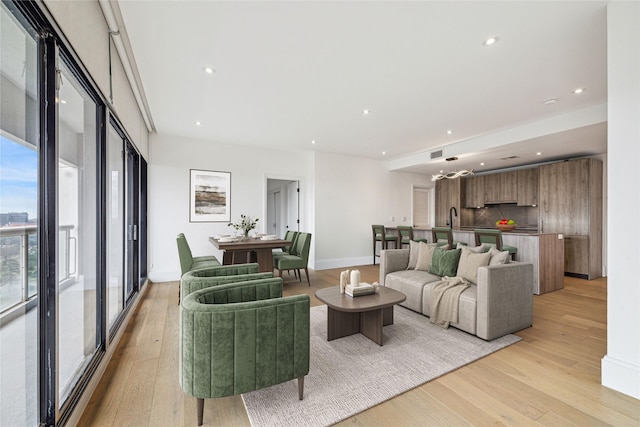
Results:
[385, 297]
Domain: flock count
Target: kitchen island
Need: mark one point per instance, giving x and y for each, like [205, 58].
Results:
[544, 250]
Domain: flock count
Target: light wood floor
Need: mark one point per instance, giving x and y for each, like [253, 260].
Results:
[551, 377]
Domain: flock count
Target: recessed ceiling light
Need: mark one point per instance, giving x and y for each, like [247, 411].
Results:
[482, 164]
[550, 101]
[578, 90]
[538, 153]
[365, 112]
[491, 41]
[198, 124]
[449, 132]
[313, 141]
[384, 153]
[209, 70]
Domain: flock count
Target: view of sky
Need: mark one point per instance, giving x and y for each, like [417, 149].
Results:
[18, 178]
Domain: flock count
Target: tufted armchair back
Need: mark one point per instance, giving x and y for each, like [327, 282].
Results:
[241, 337]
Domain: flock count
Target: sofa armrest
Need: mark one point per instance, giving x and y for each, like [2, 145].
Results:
[392, 260]
[504, 299]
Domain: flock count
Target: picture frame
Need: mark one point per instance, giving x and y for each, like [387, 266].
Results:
[210, 196]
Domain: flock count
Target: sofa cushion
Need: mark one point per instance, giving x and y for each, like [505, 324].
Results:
[467, 307]
[410, 283]
[476, 249]
[425, 254]
[445, 262]
[414, 248]
[470, 262]
[498, 257]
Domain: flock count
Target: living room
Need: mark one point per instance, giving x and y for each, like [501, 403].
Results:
[337, 201]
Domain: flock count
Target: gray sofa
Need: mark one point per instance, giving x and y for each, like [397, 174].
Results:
[500, 303]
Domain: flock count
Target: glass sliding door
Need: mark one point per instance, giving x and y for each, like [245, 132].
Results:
[19, 138]
[132, 163]
[115, 225]
[78, 252]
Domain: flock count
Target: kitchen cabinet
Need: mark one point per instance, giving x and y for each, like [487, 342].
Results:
[576, 255]
[448, 194]
[501, 187]
[527, 187]
[570, 202]
[474, 191]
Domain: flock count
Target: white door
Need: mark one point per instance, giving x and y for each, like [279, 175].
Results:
[293, 207]
[273, 207]
[421, 207]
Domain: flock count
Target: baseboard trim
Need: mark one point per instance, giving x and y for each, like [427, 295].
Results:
[621, 376]
[326, 264]
[164, 276]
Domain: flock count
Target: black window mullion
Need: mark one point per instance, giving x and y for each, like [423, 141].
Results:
[47, 231]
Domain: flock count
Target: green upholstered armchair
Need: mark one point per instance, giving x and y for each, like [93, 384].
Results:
[297, 261]
[241, 337]
[187, 261]
[213, 276]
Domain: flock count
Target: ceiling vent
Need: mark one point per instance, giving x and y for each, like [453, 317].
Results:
[510, 158]
[436, 154]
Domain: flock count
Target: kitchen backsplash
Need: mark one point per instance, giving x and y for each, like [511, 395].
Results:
[524, 216]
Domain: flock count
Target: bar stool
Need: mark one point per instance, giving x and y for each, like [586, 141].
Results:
[405, 234]
[492, 236]
[380, 235]
[444, 233]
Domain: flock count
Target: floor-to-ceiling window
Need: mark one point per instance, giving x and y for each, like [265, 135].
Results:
[19, 135]
[70, 244]
[115, 225]
[78, 253]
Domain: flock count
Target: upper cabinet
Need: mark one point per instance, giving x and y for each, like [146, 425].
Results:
[528, 187]
[501, 187]
[474, 191]
[448, 195]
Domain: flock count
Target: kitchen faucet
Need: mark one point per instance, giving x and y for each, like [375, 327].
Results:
[452, 209]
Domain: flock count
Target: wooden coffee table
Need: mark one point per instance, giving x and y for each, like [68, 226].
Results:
[366, 314]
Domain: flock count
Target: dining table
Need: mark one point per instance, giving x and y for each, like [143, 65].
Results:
[250, 249]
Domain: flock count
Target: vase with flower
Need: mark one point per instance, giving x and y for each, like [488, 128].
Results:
[245, 225]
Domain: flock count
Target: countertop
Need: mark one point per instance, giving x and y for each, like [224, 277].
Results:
[517, 231]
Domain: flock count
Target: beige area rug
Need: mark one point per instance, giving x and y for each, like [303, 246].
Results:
[351, 374]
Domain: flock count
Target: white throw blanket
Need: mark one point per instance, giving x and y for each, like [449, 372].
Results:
[444, 298]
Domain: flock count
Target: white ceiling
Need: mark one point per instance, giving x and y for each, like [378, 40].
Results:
[291, 72]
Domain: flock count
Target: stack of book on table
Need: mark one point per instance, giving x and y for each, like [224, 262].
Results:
[359, 290]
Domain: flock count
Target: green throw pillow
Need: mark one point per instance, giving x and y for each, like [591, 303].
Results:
[445, 263]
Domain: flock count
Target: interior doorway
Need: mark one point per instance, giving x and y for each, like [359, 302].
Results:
[283, 206]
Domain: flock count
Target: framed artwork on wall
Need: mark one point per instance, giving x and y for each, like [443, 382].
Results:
[210, 196]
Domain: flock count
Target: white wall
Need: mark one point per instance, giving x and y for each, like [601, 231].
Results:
[621, 365]
[352, 193]
[171, 158]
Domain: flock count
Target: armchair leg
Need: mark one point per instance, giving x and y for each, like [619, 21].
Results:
[200, 407]
[306, 271]
[300, 387]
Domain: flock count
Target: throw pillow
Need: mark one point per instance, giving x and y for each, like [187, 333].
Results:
[414, 249]
[445, 262]
[498, 257]
[475, 249]
[424, 256]
[469, 263]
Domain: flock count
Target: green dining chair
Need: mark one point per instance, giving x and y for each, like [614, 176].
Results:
[405, 235]
[380, 235]
[493, 237]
